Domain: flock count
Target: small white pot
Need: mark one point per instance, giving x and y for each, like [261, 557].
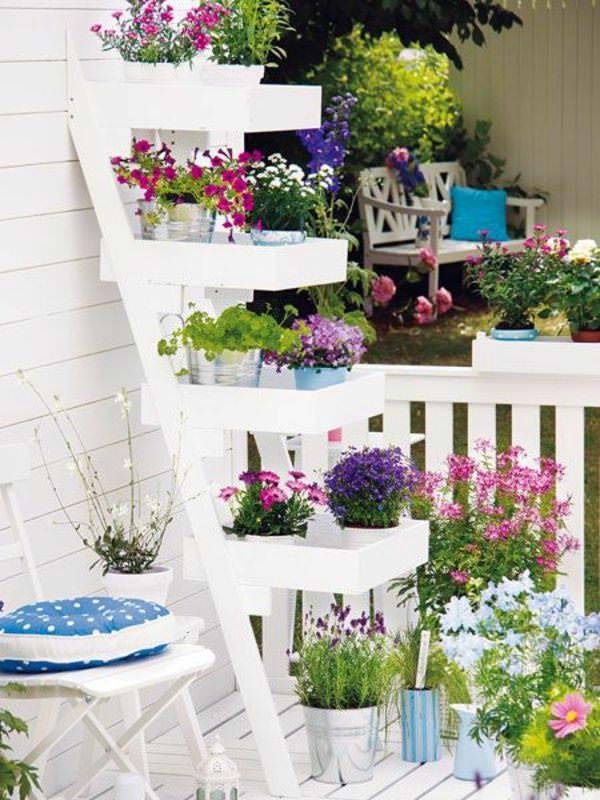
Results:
[152, 585]
[267, 539]
[348, 538]
[232, 75]
[138, 72]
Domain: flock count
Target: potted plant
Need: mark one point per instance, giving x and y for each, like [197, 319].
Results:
[180, 201]
[513, 284]
[246, 41]
[227, 351]
[125, 535]
[420, 670]
[343, 683]
[17, 778]
[491, 516]
[284, 199]
[264, 510]
[575, 290]
[369, 490]
[562, 744]
[324, 352]
[518, 645]
[156, 48]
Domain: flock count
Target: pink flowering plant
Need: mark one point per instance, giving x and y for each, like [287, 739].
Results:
[147, 31]
[322, 344]
[219, 185]
[265, 507]
[370, 488]
[515, 285]
[562, 742]
[490, 518]
[519, 645]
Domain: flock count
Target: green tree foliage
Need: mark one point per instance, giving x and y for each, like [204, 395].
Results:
[400, 101]
[318, 23]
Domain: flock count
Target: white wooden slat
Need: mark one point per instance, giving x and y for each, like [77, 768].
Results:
[416, 784]
[481, 424]
[526, 429]
[570, 452]
[52, 289]
[357, 435]
[439, 435]
[50, 239]
[47, 340]
[35, 139]
[396, 423]
[21, 195]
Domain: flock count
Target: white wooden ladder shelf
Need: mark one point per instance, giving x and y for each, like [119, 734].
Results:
[153, 277]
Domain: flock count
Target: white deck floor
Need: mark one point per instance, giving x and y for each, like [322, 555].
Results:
[394, 779]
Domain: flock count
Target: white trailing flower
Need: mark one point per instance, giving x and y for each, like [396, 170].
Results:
[583, 251]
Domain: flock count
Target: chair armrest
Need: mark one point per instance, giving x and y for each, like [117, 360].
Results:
[525, 202]
[412, 211]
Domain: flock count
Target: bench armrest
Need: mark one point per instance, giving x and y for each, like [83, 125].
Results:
[413, 211]
[525, 202]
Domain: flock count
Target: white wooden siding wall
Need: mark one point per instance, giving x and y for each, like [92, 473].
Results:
[61, 324]
[540, 86]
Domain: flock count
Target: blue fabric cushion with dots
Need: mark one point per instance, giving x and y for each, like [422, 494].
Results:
[82, 632]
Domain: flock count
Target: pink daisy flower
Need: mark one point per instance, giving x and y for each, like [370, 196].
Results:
[571, 713]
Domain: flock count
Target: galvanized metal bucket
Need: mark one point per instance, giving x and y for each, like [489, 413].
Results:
[189, 222]
[229, 368]
[342, 744]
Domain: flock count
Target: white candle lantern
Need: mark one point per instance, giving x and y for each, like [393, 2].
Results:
[219, 778]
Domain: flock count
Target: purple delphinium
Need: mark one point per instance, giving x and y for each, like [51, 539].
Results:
[328, 145]
[410, 176]
[370, 488]
[323, 343]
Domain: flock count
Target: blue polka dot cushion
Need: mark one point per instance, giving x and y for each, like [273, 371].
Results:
[82, 632]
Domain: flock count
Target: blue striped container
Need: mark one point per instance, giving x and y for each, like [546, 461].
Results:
[421, 725]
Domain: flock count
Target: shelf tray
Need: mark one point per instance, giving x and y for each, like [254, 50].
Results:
[241, 265]
[195, 107]
[547, 355]
[312, 567]
[276, 406]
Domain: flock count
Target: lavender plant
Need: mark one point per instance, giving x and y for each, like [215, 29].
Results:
[342, 662]
[370, 488]
[322, 344]
[265, 508]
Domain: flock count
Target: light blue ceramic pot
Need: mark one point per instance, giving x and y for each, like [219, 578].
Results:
[420, 709]
[311, 378]
[524, 335]
[266, 238]
[472, 760]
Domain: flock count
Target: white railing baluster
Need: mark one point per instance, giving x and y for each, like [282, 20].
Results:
[526, 430]
[439, 435]
[481, 424]
[396, 423]
[570, 452]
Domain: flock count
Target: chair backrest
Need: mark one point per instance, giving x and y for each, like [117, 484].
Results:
[380, 183]
[15, 466]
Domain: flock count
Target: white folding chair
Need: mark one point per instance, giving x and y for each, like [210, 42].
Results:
[66, 699]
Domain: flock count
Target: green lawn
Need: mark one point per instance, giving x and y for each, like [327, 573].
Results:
[449, 343]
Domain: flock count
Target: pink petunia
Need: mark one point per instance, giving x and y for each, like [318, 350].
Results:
[571, 713]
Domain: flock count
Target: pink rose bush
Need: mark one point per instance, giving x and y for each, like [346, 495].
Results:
[426, 309]
[263, 507]
[491, 517]
[383, 290]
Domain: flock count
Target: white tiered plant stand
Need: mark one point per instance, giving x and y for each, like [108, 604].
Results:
[546, 355]
[156, 277]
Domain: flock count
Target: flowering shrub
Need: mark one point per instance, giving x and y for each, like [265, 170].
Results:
[519, 645]
[574, 288]
[17, 778]
[342, 662]
[383, 290]
[321, 343]
[563, 741]
[406, 166]
[250, 31]
[265, 508]
[490, 518]
[284, 198]
[515, 284]
[221, 186]
[146, 31]
[370, 488]
[237, 328]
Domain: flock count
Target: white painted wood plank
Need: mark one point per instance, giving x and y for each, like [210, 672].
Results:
[32, 87]
[396, 423]
[526, 429]
[439, 432]
[481, 424]
[21, 195]
[35, 139]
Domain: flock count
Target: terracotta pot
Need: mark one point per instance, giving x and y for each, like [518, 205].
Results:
[586, 336]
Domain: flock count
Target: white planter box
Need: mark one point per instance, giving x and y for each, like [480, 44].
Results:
[195, 107]
[547, 355]
[323, 563]
[276, 406]
[239, 265]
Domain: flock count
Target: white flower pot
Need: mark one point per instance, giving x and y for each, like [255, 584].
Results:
[164, 73]
[577, 793]
[232, 75]
[267, 539]
[348, 538]
[152, 585]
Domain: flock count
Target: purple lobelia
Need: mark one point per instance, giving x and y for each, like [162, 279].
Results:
[328, 145]
[370, 488]
[324, 343]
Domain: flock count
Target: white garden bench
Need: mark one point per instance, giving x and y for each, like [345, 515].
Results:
[390, 224]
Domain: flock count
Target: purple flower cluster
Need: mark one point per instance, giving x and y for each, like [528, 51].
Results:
[323, 343]
[406, 167]
[336, 626]
[370, 488]
[328, 145]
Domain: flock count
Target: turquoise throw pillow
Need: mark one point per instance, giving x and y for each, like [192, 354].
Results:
[477, 210]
